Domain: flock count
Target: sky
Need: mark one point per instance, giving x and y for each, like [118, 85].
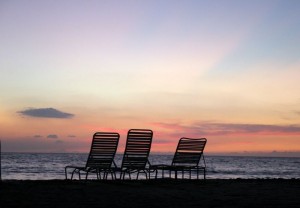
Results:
[226, 70]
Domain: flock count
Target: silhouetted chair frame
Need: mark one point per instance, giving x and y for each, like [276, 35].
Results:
[187, 158]
[137, 150]
[101, 156]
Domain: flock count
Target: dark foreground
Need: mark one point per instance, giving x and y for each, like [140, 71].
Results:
[160, 193]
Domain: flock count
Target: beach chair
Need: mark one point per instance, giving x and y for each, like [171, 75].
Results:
[186, 159]
[135, 157]
[101, 156]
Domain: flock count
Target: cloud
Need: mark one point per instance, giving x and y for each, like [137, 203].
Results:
[37, 136]
[259, 153]
[29, 144]
[45, 113]
[162, 141]
[221, 128]
[71, 136]
[52, 136]
[211, 128]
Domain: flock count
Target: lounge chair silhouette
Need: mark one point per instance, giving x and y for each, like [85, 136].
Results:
[187, 158]
[101, 156]
[135, 157]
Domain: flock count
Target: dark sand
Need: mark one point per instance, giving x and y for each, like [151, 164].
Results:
[153, 193]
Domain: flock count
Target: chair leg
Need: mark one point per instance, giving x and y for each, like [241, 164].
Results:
[104, 175]
[87, 174]
[66, 173]
[114, 173]
[98, 175]
[121, 174]
[72, 174]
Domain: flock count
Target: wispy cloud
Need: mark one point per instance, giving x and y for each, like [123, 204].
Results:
[46, 113]
[37, 136]
[71, 136]
[210, 128]
[52, 136]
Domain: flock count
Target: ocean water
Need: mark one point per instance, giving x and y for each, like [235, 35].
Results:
[42, 166]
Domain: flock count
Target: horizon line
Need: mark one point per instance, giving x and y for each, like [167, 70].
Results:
[237, 154]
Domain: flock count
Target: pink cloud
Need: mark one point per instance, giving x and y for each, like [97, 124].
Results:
[221, 129]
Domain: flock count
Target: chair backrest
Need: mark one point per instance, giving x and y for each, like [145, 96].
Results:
[137, 149]
[189, 152]
[103, 150]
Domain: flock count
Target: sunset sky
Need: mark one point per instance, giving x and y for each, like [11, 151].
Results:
[225, 70]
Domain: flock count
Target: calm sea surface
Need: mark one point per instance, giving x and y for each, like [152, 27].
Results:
[41, 166]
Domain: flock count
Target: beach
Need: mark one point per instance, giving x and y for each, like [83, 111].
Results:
[151, 193]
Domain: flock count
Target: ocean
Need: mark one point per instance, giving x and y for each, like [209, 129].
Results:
[46, 166]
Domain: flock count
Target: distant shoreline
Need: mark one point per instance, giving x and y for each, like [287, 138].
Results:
[249, 154]
[151, 193]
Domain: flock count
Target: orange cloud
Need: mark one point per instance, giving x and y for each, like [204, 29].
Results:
[221, 129]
